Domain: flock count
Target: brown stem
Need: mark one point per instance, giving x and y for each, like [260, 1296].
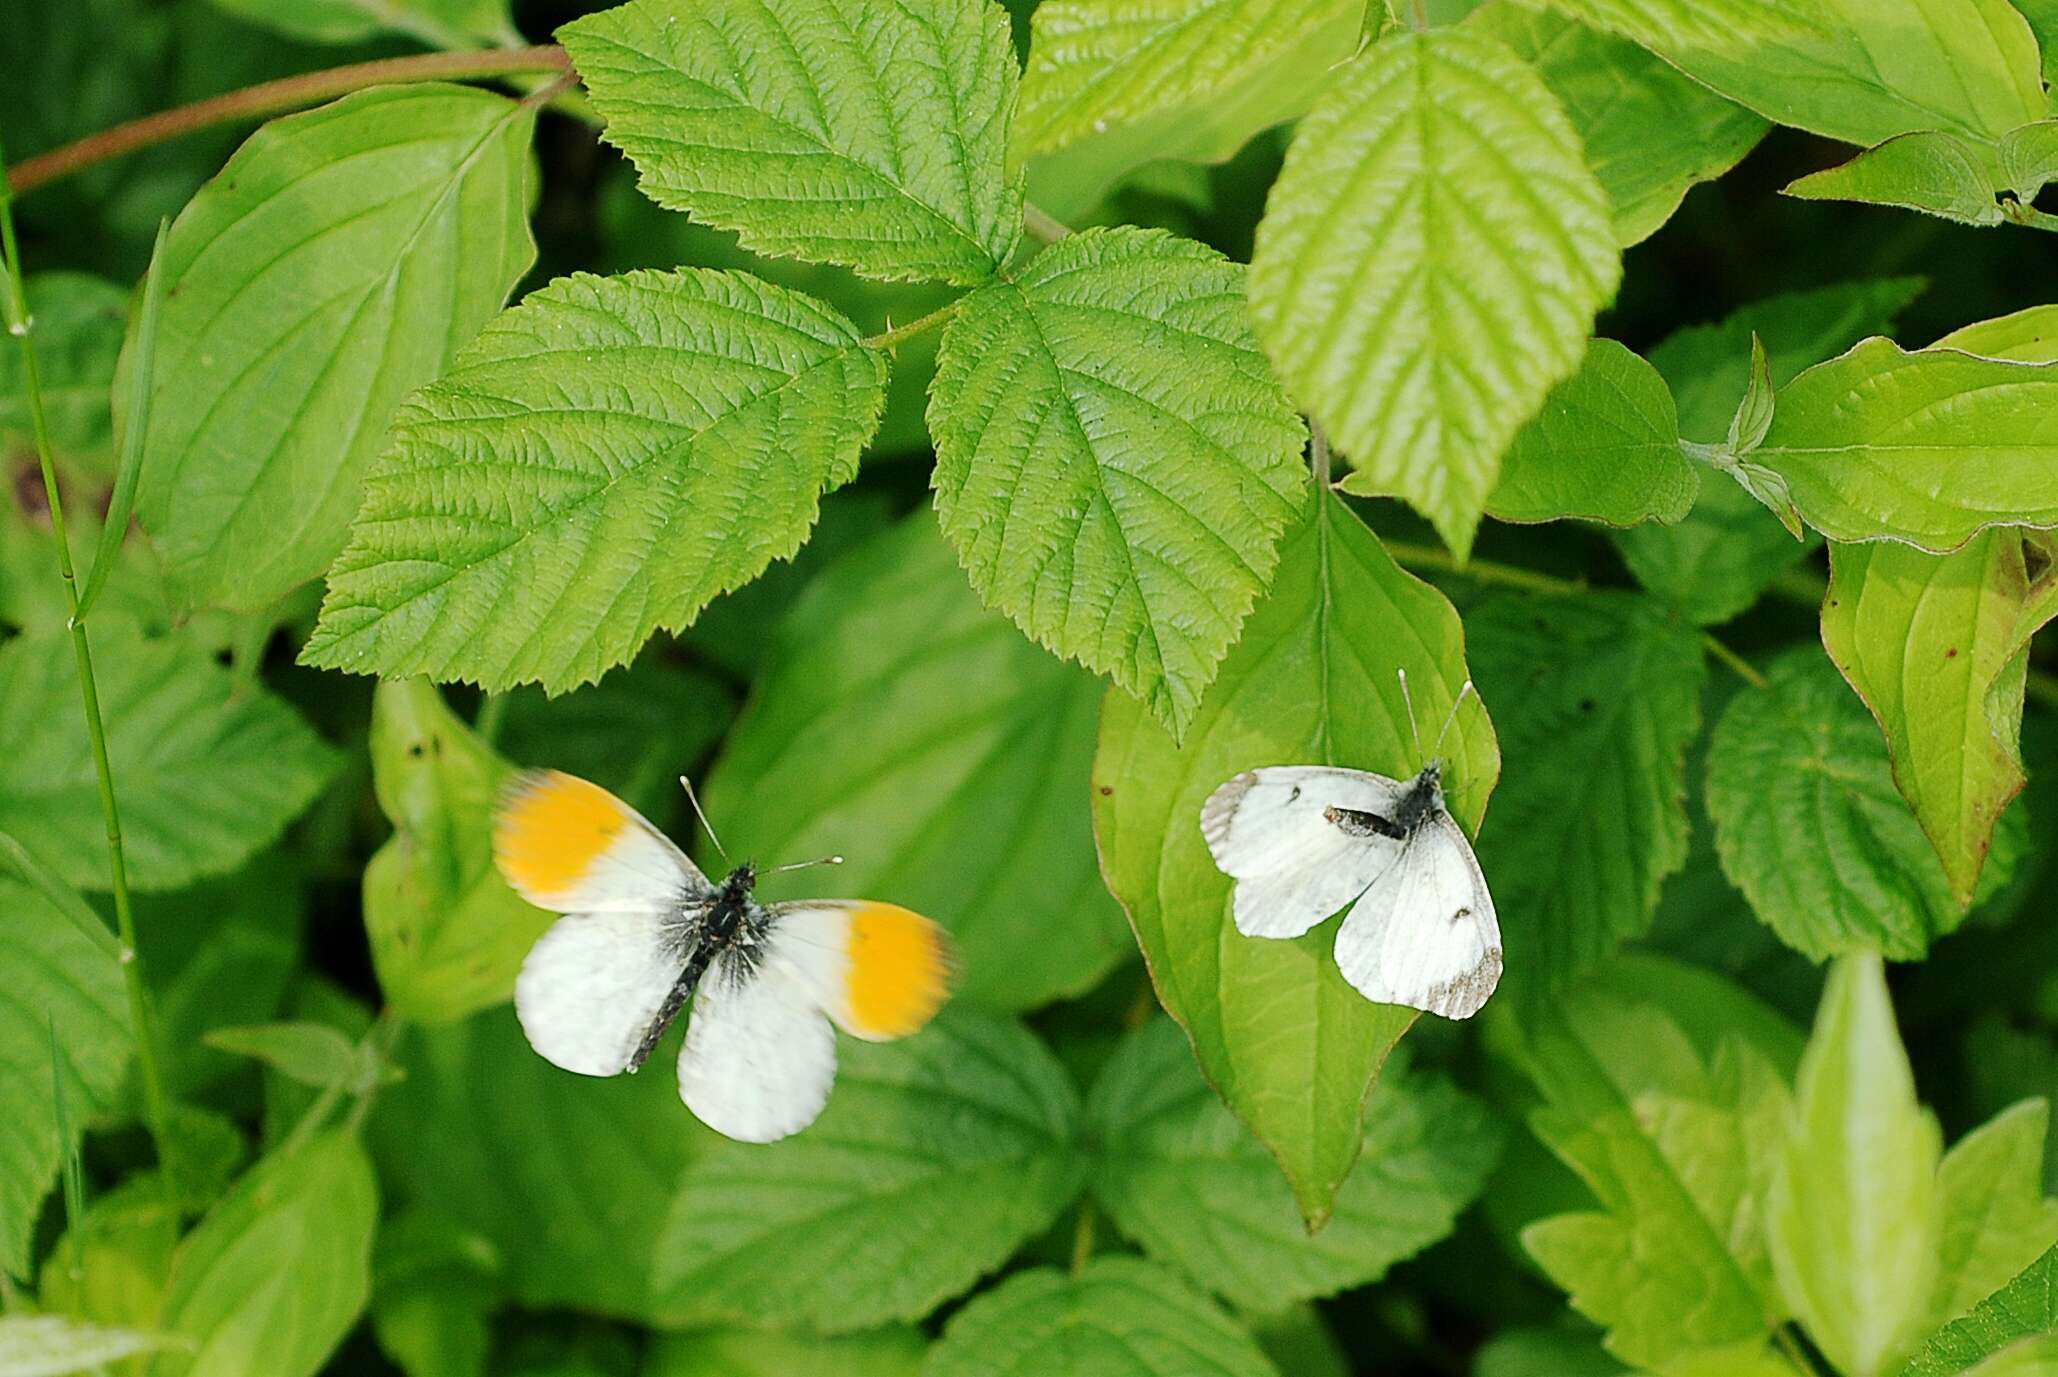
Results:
[274, 97]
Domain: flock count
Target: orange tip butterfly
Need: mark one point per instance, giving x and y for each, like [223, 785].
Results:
[645, 931]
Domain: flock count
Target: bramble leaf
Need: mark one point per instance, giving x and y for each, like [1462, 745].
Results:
[447, 934]
[911, 731]
[1419, 328]
[1855, 1215]
[1649, 132]
[1118, 1317]
[407, 207]
[2019, 1319]
[210, 771]
[605, 458]
[1722, 555]
[59, 982]
[1290, 1046]
[1187, 1181]
[838, 131]
[1927, 447]
[278, 1271]
[1605, 447]
[1728, 26]
[1810, 827]
[937, 1157]
[1114, 463]
[1595, 696]
[568, 1178]
[438, 23]
[1938, 646]
[739, 1351]
[1115, 83]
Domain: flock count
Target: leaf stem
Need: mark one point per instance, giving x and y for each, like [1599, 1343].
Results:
[1082, 1236]
[276, 97]
[22, 328]
[492, 716]
[1486, 571]
[1790, 1349]
[1318, 454]
[895, 336]
[1042, 224]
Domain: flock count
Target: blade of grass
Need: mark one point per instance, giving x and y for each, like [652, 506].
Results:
[22, 328]
[135, 425]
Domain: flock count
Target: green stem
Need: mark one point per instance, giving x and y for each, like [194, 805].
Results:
[492, 717]
[897, 335]
[22, 328]
[277, 97]
[1790, 1349]
[1082, 1237]
[1486, 571]
[1041, 224]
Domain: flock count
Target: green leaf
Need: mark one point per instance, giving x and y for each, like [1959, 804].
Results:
[1728, 26]
[1809, 825]
[936, 1159]
[831, 130]
[210, 771]
[1420, 329]
[1112, 84]
[438, 23]
[435, 1286]
[904, 727]
[119, 517]
[1119, 1317]
[1676, 1144]
[57, 969]
[1996, 1218]
[1596, 696]
[408, 206]
[111, 1265]
[1928, 447]
[51, 1345]
[1544, 1353]
[1863, 71]
[1114, 464]
[894, 1351]
[1649, 132]
[311, 1053]
[2026, 336]
[568, 1178]
[1930, 170]
[1183, 1178]
[1938, 647]
[447, 934]
[1716, 561]
[2025, 1309]
[633, 733]
[277, 1273]
[1855, 1215]
[605, 458]
[1605, 447]
[78, 321]
[1290, 1046]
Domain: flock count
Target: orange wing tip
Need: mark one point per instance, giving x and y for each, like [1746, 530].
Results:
[550, 829]
[902, 968]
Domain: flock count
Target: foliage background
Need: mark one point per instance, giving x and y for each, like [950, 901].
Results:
[415, 1191]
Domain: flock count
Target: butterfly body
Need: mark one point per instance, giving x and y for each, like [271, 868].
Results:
[645, 932]
[1304, 842]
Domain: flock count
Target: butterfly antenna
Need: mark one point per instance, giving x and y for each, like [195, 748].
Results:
[1409, 699]
[694, 799]
[803, 865]
[1452, 719]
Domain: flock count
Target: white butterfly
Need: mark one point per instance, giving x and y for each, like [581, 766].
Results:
[1303, 841]
[645, 930]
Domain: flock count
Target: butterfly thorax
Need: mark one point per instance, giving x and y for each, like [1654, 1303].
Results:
[729, 921]
[1421, 800]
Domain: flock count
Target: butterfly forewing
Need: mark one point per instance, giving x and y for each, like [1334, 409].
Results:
[593, 985]
[879, 970]
[1275, 831]
[572, 847]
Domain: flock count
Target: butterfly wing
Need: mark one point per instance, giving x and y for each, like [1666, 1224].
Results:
[1425, 934]
[570, 846]
[879, 970]
[1294, 864]
[591, 988]
[759, 1056]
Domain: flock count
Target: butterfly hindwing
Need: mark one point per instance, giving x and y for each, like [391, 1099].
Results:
[1425, 934]
[1272, 830]
[760, 1056]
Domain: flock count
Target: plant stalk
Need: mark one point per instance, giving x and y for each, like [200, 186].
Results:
[22, 328]
[277, 97]
[895, 336]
